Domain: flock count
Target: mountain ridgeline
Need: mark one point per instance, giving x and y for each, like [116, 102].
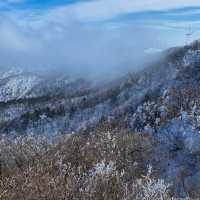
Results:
[32, 103]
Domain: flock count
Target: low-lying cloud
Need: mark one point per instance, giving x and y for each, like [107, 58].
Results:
[78, 47]
[79, 38]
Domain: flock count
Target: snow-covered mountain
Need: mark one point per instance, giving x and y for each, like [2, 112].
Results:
[39, 104]
[162, 99]
[18, 84]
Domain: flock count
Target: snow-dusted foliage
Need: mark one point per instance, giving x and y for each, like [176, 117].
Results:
[101, 165]
[151, 188]
[18, 86]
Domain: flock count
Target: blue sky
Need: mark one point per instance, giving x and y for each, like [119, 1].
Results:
[39, 4]
[92, 32]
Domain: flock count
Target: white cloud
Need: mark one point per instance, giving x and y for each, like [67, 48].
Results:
[102, 10]
[107, 9]
[184, 13]
[63, 36]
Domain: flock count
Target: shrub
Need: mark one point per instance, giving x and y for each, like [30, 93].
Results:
[100, 165]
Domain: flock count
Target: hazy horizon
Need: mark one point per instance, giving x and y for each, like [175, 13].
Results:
[99, 36]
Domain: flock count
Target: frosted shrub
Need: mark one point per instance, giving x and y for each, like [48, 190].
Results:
[101, 165]
[152, 188]
[103, 168]
[147, 188]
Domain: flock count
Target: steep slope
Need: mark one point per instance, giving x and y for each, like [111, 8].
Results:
[31, 103]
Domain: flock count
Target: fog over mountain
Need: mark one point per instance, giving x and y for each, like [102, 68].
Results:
[77, 39]
[78, 48]
[86, 49]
